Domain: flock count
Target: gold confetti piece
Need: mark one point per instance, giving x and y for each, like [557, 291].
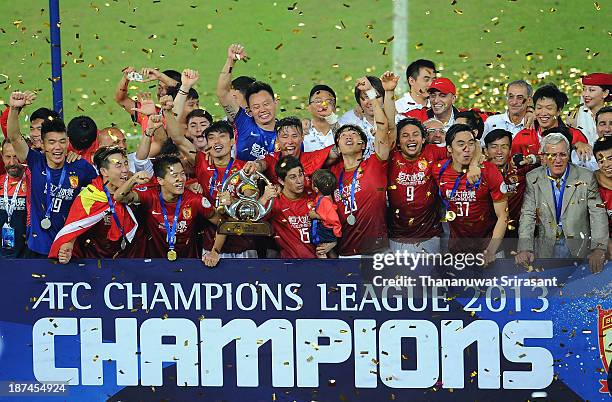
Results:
[278, 46]
[418, 45]
[597, 6]
[457, 11]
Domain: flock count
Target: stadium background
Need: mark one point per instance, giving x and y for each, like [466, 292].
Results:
[479, 44]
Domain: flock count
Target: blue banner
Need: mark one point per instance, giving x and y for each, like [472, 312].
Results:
[299, 330]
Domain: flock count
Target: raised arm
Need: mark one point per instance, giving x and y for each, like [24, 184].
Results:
[382, 146]
[121, 92]
[173, 128]
[224, 84]
[152, 74]
[18, 101]
[188, 80]
[389, 82]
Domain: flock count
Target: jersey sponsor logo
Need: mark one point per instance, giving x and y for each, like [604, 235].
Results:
[411, 179]
[463, 195]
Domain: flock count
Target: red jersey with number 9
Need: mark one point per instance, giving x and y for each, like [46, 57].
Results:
[475, 215]
[413, 196]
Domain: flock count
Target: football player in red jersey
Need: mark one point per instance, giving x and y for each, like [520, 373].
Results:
[498, 143]
[362, 183]
[212, 175]
[549, 102]
[413, 213]
[171, 221]
[477, 211]
[290, 137]
[603, 153]
[290, 213]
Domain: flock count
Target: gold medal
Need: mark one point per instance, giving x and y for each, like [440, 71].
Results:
[450, 216]
[171, 255]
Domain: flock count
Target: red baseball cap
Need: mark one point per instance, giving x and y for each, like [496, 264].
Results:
[443, 85]
[599, 79]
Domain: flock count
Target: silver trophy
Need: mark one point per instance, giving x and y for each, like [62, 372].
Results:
[246, 212]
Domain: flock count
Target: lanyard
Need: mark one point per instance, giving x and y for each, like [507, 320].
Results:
[171, 231]
[50, 193]
[10, 208]
[213, 181]
[111, 205]
[558, 201]
[468, 186]
[353, 183]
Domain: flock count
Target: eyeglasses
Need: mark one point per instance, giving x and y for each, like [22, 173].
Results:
[436, 130]
[321, 101]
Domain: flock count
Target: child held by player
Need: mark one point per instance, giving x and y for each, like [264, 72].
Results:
[326, 226]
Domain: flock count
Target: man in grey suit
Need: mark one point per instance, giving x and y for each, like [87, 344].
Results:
[562, 202]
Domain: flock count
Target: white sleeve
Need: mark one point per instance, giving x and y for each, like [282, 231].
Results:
[140, 165]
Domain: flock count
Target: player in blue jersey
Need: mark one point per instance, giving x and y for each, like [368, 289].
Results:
[255, 128]
[55, 183]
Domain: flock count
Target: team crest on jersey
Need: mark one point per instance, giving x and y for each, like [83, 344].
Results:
[423, 164]
[513, 179]
[604, 334]
[74, 181]
[187, 212]
[205, 203]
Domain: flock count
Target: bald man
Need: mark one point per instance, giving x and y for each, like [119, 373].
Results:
[113, 136]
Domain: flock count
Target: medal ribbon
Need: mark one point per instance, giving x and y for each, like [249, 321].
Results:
[111, 206]
[353, 184]
[468, 186]
[558, 201]
[171, 231]
[50, 193]
[213, 180]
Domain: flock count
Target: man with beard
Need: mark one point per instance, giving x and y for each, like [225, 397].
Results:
[362, 183]
[596, 91]
[549, 102]
[436, 133]
[498, 143]
[289, 215]
[419, 75]
[603, 154]
[14, 187]
[290, 138]
[442, 95]
[518, 100]
[97, 226]
[562, 202]
[476, 211]
[54, 182]
[256, 135]
[173, 211]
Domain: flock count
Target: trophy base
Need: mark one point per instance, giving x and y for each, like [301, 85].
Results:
[239, 228]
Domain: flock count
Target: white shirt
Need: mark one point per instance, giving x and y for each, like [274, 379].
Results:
[585, 122]
[590, 164]
[137, 165]
[314, 140]
[407, 103]
[351, 118]
[503, 122]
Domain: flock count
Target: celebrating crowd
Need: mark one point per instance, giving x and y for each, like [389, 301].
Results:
[415, 173]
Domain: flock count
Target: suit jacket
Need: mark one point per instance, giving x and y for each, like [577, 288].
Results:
[583, 216]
